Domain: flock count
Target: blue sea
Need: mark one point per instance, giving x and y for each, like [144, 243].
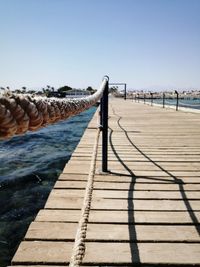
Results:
[30, 165]
[187, 103]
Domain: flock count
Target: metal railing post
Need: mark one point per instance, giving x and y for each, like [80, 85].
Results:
[104, 124]
[163, 100]
[125, 91]
[176, 100]
[101, 112]
[151, 99]
[144, 98]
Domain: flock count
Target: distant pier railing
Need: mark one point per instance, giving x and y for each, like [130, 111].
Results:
[165, 99]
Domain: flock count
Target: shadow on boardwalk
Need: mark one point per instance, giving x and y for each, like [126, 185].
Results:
[135, 257]
[131, 219]
[176, 180]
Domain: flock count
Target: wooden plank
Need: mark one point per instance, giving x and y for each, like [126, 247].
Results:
[137, 186]
[125, 194]
[56, 193]
[143, 166]
[57, 215]
[70, 184]
[64, 203]
[127, 186]
[142, 253]
[158, 159]
[51, 231]
[169, 166]
[108, 216]
[152, 172]
[81, 169]
[117, 194]
[147, 179]
[147, 233]
[73, 177]
[43, 252]
[148, 205]
[143, 217]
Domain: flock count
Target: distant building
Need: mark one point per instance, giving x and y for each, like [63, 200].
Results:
[74, 93]
[77, 93]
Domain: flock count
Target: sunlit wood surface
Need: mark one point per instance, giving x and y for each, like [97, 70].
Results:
[145, 210]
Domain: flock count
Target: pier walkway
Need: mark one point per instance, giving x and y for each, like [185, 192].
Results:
[144, 212]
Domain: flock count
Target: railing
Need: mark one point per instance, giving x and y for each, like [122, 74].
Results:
[20, 113]
[124, 84]
[163, 100]
[104, 125]
[177, 100]
[174, 99]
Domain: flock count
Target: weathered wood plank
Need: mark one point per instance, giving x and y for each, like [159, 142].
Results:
[117, 194]
[150, 233]
[150, 173]
[143, 217]
[159, 205]
[64, 203]
[51, 231]
[70, 184]
[144, 186]
[142, 253]
[147, 179]
[125, 194]
[66, 193]
[37, 252]
[73, 177]
[127, 186]
[77, 169]
[56, 215]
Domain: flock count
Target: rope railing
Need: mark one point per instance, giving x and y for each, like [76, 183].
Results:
[21, 113]
[78, 251]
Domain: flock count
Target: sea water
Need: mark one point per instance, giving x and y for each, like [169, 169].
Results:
[187, 103]
[29, 167]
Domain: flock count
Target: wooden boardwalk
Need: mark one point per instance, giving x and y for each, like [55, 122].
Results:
[144, 212]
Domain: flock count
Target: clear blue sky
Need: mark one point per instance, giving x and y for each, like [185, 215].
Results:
[146, 43]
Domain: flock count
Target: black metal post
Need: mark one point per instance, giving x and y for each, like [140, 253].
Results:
[176, 100]
[144, 98]
[163, 100]
[125, 91]
[151, 99]
[101, 112]
[104, 124]
[135, 97]
[124, 84]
